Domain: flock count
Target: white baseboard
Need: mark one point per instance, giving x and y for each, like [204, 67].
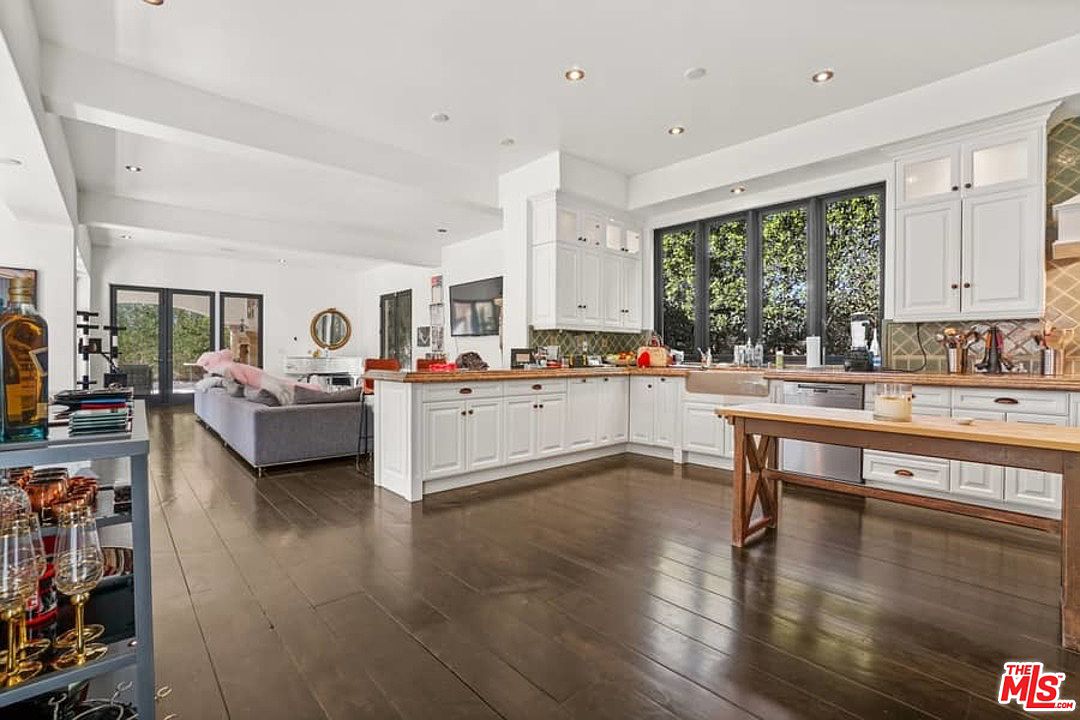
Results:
[505, 471]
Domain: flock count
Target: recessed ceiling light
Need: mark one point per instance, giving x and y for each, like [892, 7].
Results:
[738, 190]
[574, 74]
[507, 142]
[822, 76]
[125, 236]
[14, 162]
[695, 73]
[676, 130]
[281, 261]
[441, 231]
[440, 117]
[133, 168]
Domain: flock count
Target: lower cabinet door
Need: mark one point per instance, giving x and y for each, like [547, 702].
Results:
[977, 479]
[551, 425]
[703, 430]
[615, 396]
[666, 428]
[642, 409]
[520, 416]
[484, 423]
[1034, 488]
[583, 412]
[444, 439]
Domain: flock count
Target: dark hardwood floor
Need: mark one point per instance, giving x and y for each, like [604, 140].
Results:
[603, 590]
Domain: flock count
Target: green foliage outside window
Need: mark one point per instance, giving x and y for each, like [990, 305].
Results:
[852, 266]
[727, 286]
[138, 341]
[677, 253]
[783, 282]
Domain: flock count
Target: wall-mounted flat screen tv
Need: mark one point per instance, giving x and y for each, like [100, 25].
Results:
[475, 307]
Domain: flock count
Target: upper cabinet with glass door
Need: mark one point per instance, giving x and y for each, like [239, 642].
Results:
[977, 165]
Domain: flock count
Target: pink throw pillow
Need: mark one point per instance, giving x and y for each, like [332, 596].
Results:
[214, 359]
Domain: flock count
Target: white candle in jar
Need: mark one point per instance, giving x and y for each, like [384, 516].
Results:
[895, 407]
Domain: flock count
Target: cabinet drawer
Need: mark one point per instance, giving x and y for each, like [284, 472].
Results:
[1011, 401]
[922, 397]
[533, 387]
[460, 391]
[907, 470]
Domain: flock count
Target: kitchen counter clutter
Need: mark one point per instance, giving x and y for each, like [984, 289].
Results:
[534, 374]
[1003, 380]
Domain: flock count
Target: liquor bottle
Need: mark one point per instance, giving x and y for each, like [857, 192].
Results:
[24, 362]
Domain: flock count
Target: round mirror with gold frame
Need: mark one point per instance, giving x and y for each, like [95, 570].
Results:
[330, 329]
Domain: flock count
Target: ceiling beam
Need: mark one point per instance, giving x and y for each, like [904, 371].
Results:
[128, 214]
[82, 87]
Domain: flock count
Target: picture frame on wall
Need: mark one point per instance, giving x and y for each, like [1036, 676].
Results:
[437, 339]
[423, 335]
[436, 289]
[437, 316]
[8, 273]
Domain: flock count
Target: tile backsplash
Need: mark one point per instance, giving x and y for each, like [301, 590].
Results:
[600, 343]
[1062, 281]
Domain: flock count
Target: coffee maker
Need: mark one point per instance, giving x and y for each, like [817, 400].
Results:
[859, 359]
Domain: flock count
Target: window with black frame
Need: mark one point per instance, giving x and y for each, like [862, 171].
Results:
[776, 274]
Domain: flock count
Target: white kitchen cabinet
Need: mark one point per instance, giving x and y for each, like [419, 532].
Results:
[1001, 262]
[551, 425]
[999, 161]
[668, 398]
[589, 284]
[444, 439]
[977, 480]
[970, 224]
[483, 433]
[927, 273]
[585, 267]
[583, 403]
[1034, 488]
[703, 430]
[642, 409]
[614, 410]
[519, 428]
[928, 175]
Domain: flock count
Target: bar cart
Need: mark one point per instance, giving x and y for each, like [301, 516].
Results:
[130, 600]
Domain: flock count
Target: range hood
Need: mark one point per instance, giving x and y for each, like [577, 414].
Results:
[1067, 219]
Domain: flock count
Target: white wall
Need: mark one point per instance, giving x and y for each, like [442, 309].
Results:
[476, 259]
[292, 293]
[49, 249]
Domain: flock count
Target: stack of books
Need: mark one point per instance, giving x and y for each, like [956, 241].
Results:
[95, 412]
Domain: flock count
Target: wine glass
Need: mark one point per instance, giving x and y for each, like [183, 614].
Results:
[18, 582]
[30, 649]
[79, 567]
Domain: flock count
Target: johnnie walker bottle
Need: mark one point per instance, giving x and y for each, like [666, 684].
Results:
[24, 363]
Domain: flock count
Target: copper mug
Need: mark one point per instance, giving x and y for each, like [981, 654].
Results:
[46, 493]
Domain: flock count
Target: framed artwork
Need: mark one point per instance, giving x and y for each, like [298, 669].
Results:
[7, 273]
[437, 317]
[436, 338]
[436, 289]
[423, 335]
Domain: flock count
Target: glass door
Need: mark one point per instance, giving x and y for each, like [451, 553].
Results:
[163, 332]
[241, 327]
[395, 327]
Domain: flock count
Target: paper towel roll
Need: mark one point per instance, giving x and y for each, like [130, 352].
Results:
[813, 351]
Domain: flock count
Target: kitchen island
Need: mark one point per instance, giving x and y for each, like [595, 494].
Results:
[758, 480]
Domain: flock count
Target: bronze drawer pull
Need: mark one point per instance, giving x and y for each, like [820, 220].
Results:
[538, 387]
[903, 473]
[465, 391]
[470, 411]
[1006, 401]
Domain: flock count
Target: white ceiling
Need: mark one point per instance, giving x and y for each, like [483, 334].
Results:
[377, 71]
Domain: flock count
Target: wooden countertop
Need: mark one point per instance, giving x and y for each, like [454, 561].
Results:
[996, 432]
[835, 374]
[540, 374]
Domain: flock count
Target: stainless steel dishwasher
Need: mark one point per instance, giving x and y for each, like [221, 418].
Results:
[830, 461]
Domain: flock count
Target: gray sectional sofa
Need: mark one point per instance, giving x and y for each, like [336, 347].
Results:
[267, 436]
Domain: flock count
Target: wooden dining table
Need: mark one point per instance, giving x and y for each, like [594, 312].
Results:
[758, 481]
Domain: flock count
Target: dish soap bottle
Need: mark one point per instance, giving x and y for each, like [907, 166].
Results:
[24, 363]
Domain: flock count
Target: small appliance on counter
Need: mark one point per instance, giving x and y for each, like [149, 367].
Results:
[859, 358]
[521, 357]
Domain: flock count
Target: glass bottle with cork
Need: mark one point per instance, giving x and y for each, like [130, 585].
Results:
[24, 365]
